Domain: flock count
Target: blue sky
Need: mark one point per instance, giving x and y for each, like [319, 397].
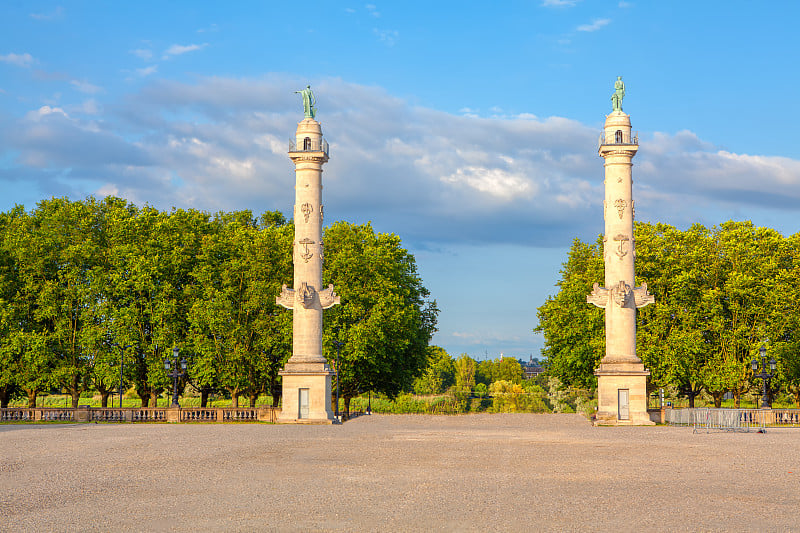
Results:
[471, 132]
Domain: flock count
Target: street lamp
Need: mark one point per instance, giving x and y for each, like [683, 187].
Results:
[338, 344]
[121, 366]
[175, 374]
[764, 375]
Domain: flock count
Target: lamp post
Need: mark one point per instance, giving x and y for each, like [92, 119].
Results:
[764, 375]
[175, 374]
[338, 344]
[121, 366]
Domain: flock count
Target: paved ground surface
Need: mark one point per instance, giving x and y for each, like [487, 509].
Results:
[397, 473]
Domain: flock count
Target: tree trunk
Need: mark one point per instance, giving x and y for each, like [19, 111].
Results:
[347, 406]
[234, 398]
[76, 397]
[253, 398]
[5, 396]
[718, 398]
[104, 399]
[276, 389]
[154, 398]
[204, 397]
[144, 394]
[32, 399]
[737, 396]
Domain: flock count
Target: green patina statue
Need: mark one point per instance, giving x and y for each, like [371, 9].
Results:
[619, 94]
[308, 102]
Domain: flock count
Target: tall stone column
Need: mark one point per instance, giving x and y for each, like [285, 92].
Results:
[621, 376]
[307, 376]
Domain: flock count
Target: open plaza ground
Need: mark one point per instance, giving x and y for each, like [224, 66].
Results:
[501, 472]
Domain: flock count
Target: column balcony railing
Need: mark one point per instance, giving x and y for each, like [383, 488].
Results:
[309, 145]
[619, 137]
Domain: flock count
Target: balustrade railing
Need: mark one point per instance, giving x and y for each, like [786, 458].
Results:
[140, 414]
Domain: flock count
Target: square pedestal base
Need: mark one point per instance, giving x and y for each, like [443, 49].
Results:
[622, 395]
[306, 395]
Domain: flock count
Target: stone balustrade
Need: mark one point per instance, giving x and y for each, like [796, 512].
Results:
[140, 414]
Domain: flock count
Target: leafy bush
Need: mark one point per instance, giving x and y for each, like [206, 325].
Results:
[513, 398]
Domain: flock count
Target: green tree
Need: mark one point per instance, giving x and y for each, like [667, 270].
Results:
[439, 375]
[574, 340]
[234, 319]
[385, 319]
[465, 368]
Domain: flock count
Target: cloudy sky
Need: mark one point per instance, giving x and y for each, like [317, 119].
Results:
[471, 132]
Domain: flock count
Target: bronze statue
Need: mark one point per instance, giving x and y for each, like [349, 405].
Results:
[308, 101]
[619, 94]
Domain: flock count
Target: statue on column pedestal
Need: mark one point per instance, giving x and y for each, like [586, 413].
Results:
[619, 94]
[308, 101]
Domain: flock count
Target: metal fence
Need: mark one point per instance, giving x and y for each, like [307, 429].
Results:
[707, 418]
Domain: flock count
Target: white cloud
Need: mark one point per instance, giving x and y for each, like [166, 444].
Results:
[57, 13]
[429, 176]
[373, 10]
[594, 26]
[179, 49]
[85, 87]
[559, 3]
[142, 53]
[88, 107]
[44, 111]
[495, 182]
[146, 71]
[388, 37]
[20, 60]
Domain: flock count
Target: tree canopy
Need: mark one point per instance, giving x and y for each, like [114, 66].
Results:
[87, 286]
[720, 294]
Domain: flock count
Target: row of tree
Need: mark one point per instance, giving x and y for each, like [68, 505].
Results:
[88, 285]
[721, 293]
[465, 374]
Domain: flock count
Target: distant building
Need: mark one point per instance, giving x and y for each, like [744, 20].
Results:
[530, 368]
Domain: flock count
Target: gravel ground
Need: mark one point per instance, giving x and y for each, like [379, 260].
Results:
[516, 472]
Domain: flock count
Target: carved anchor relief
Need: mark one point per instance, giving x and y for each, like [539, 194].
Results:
[306, 209]
[307, 254]
[621, 251]
[620, 204]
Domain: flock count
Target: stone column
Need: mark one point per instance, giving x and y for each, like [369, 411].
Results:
[621, 376]
[306, 376]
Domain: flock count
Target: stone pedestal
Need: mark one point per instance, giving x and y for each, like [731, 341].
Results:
[173, 414]
[617, 382]
[312, 406]
[83, 414]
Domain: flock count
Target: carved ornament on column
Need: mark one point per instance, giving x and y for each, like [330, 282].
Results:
[620, 204]
[306, 209]
[622, 293]
[307, 254]
[328, 297]
[621, 251]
